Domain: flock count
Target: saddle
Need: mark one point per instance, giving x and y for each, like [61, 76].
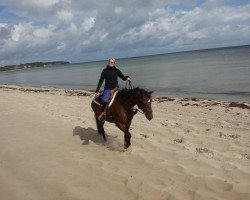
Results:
[112, 93]
[98, 99]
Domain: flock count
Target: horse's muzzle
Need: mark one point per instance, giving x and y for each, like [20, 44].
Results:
[149, 115]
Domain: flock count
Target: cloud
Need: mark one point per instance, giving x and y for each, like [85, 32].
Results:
[64, 15]
[88, 24]
[78, 30]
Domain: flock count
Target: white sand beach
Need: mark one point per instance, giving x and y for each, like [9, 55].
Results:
[192, 149]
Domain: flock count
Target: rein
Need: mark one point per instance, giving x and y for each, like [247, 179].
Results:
[129, 85]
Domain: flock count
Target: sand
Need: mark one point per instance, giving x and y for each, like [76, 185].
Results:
[50, 149]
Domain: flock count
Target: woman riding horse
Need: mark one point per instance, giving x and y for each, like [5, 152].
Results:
[122, 111]
[109, 74]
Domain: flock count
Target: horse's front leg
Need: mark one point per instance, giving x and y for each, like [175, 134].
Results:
[127, 135]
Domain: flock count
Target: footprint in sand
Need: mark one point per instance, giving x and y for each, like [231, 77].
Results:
[233, 136]
[206, 151]
[245, 156]
[144, 135]
[164, 124]
[178, 140]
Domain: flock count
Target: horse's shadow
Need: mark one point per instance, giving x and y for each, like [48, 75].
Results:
[90, 134]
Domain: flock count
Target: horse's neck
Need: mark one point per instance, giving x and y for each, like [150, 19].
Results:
[133, 99]
[130, 100]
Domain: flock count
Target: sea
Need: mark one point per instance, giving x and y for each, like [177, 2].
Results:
[219, 74]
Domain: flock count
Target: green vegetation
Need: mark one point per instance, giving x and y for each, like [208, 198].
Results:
[32, 65]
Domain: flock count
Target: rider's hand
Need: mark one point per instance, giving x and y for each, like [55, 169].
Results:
[128, 79]
[96, 94]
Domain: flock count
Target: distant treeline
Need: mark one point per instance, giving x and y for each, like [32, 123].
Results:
[32, 65]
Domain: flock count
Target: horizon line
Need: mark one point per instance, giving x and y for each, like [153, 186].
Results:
[174, 52]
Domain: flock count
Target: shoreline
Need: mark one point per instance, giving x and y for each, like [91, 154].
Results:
[191, 149]
[224, 97]
[50, 90]
[89, 92]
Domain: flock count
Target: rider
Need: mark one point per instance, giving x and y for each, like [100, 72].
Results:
[110, 74]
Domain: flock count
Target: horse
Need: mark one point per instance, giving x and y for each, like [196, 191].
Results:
[122, 110]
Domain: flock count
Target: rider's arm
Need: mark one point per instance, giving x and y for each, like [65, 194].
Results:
[100, 81]
[120, 74]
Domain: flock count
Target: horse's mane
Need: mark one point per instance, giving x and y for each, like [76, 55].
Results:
[124, 93]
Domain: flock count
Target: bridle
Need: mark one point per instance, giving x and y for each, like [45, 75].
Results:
[129, 85]
[142, 111]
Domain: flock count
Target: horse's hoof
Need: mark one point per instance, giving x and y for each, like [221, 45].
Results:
[126, 145]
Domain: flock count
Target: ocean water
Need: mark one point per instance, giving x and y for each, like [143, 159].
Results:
[222, 74]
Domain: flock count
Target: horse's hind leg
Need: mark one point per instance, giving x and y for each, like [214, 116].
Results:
[100, 128]
[103, 132]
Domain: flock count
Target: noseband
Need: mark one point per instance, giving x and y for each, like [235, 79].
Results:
[143, 110]
[146, 110]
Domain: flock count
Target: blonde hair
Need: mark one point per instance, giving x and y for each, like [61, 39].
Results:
[112, 60]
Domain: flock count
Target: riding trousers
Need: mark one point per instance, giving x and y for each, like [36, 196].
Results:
[106, 95]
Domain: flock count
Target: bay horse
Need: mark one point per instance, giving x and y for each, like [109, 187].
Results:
[122, 111]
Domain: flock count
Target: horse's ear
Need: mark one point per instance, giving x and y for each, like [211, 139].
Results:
[150, 92]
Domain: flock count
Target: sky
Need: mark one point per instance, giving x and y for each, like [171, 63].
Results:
[88, 30]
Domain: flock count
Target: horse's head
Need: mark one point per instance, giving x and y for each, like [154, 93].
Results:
[144, 103]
